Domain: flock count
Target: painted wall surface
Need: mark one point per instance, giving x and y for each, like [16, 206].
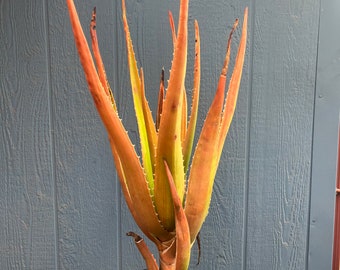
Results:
[273, 201]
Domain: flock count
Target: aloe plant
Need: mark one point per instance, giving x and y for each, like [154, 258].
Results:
[168, 201]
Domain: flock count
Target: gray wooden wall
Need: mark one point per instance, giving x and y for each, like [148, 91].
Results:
[272, 208]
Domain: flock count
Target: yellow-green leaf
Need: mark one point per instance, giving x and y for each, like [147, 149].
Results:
[169, 146]
[138, 101]
[190, 134]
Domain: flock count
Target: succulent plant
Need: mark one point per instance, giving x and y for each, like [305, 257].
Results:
[167, 195]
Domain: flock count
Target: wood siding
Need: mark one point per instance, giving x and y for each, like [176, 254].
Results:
[273, 201]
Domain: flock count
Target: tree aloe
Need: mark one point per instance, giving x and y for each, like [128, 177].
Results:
[168, 201]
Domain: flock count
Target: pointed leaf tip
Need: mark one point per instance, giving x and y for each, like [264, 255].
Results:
[169, 145]
[182, 228]
[210, 143]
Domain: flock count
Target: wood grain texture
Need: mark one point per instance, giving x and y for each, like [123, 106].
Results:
[60, 200]
[27, 225]
[87, 203]
[327, 106]
[284, 68]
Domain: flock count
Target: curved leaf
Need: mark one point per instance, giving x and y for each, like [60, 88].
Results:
[99, 61]
[160, 100]
[234, 84]
[182, 228]
[169, 146]
[144, 251]
[133, 172]
[139, 105]
[190, 134]
[209, 147]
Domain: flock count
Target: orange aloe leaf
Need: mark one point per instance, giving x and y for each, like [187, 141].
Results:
[154, 235]
[200, 183]
[184, 103]
[230, 103]
[169, 145]
[234, 84]
[184, 106]
[122, 178]
[123, 184]
[98, 59]
[138, 104]
[184, 117]
[160, 100]
[144, 251]
[173, 29]
[231, 98]
[189, 139]
[133, 172]
[104, 81]
[205, 160]
[183, 245]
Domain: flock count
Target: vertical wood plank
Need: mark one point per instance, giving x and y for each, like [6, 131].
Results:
[91, 218]
[327, 106]
[88, 205]
[27, 225]
[336, 238]
[284, 67]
